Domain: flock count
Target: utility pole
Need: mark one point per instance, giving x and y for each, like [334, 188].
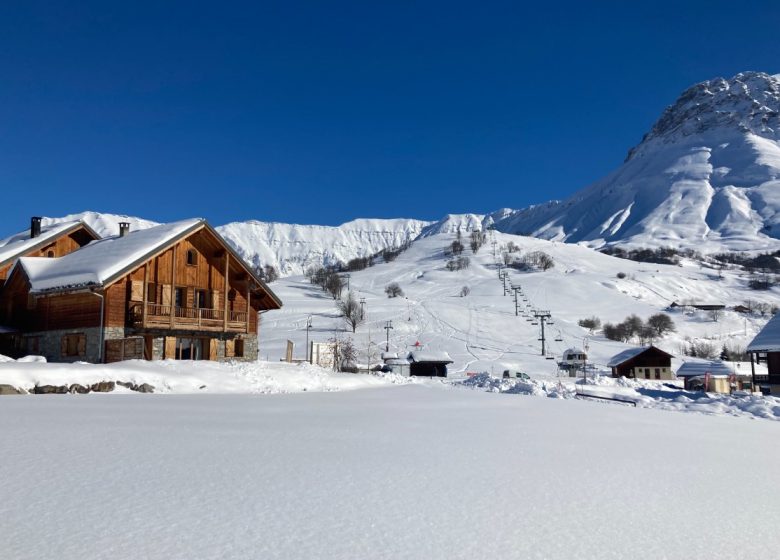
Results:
[308, 328]
[388, 327]
[517, 299]
[504, 278]
[542, 316]
[362, 305]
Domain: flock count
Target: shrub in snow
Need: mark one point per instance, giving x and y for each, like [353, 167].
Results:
[621, 275]
[464, 291]
[591, 323]
[393, 290]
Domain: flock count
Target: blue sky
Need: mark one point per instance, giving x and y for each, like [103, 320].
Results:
[321, 112]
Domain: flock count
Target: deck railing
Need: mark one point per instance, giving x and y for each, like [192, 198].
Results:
[185, 316]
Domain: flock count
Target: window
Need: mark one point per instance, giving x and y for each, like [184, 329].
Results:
[181, 297]
[50, 254]
[200, 299]
[658, 373]
[647, 373]
[33, 345]
[239, 353]
[73, 345]
[192, 257]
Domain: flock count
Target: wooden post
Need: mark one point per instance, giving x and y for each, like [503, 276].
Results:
[753, 372]
[248, 295]
[173, 284]
[146, 294]
[227, 291]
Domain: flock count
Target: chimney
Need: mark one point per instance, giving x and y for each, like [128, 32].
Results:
[124, 227]
[35, 227]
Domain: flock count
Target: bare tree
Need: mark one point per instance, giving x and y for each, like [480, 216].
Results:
[334, 284]
[716, 314]
[661, 323]
[456, 247]
[270, 274]
[349, 309]
[477, 240]
[393, 290]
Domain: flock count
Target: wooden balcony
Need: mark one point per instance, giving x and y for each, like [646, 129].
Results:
[159, 316]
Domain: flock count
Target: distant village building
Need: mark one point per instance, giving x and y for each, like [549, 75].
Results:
[573, 360]
[646, 362]
[393, 364]
[174, 291]
[713, 376]
[765, 347]
[428, 363]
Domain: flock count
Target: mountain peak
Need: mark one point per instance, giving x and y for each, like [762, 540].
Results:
[747, 102]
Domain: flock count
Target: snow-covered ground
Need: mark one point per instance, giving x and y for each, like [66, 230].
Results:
[185, 377]
[399, 472]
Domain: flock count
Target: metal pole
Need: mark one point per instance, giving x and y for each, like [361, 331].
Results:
[542, 323]
[308, 328]
[388, 326]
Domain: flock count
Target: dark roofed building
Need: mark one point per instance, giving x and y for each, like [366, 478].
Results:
[647, 362]
[765, 347]
[427, 363]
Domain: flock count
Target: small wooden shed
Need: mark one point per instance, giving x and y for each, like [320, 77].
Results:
[426, 363]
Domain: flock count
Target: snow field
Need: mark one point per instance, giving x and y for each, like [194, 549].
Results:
[404, 472]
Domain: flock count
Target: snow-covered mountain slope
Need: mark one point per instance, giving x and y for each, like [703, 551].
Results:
[707, 176]
[481, 331]
[292, 248]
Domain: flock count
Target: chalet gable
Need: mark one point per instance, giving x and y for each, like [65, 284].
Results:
[39, 238]
[103, 263]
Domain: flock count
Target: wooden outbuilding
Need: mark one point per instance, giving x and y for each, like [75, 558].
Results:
[647, 362]
[173, 291]
[426, 363]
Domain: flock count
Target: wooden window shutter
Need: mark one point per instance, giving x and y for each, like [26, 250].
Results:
[170, 347]
[136, 290]
[215, 299]
[230, 348]
[82, 345]
[213, 345]
[166, 294]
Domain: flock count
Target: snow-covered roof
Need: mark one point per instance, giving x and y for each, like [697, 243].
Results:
[21, 243]
[389, 356]
[768, 338]
[629, 353]
[695, 369]
[96, 263]
[430, 356]
[570, 351]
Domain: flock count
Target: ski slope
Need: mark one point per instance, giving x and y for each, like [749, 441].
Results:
[481, 331]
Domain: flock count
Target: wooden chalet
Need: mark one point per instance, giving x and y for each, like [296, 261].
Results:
[174, 291]
[765, 347]
[647, 362]
[54, 240]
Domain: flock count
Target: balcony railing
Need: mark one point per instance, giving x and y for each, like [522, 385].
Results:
[186, 317]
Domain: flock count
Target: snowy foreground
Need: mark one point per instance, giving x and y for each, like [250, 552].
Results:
[410, 471]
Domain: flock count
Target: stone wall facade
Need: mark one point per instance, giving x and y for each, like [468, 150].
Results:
[49, 344]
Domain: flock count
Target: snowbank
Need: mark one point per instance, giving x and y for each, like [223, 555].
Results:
[183, 377]
[645, 394]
